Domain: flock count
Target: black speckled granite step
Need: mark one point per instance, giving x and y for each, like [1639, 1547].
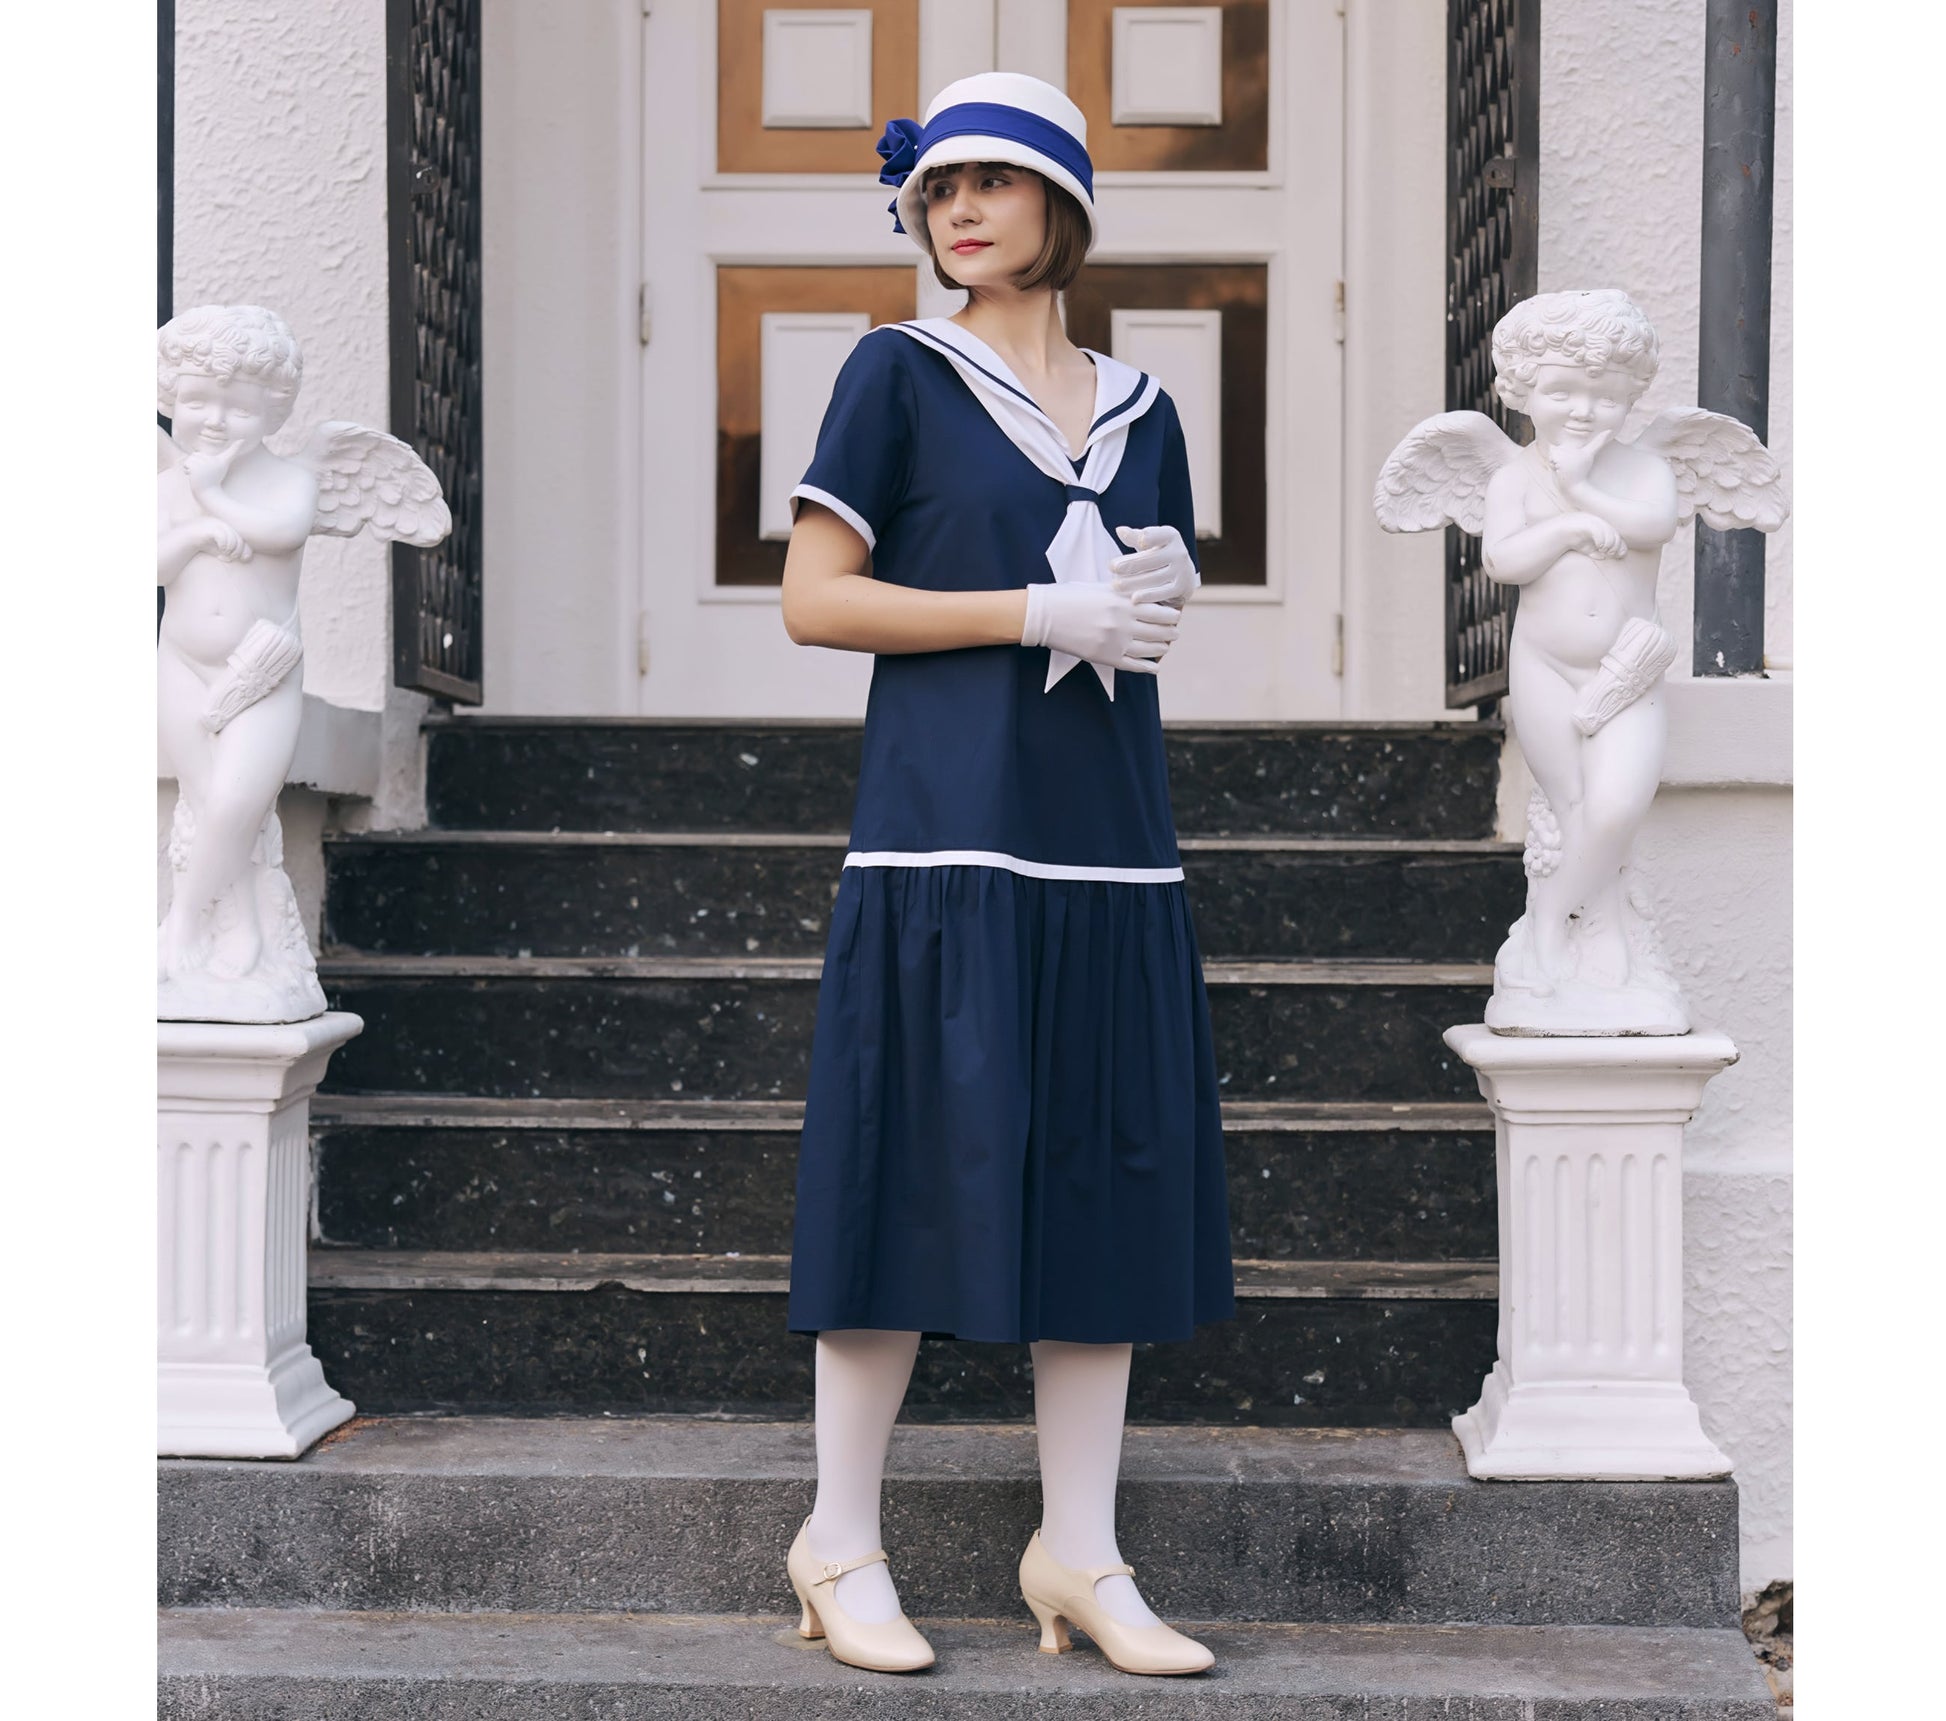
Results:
[652, 774]
[1316, 1343]
[667, 1515]
[1357, 1182]
[489, 893]
[716, 1028]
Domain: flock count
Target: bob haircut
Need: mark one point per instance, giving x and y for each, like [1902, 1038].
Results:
[1062, 252]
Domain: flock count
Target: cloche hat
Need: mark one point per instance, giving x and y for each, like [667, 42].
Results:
[991, 116]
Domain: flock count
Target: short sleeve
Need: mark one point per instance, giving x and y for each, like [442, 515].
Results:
[860, 467]
[1174, 505]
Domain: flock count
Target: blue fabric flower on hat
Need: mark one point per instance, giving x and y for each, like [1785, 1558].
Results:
[899, 146]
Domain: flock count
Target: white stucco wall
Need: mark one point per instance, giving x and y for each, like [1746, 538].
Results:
[1718, 869]
[1621, 198]
[1621, 206]
[280, 201]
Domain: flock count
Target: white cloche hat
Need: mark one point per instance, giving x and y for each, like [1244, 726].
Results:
[991, 116]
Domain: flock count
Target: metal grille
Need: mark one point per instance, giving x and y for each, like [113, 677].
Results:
[433, 158]
[1492, 228]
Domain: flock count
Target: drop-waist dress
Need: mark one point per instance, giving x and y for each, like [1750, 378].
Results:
[1011, 1129]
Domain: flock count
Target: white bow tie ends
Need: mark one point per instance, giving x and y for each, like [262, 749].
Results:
[1126, 621]
[1079, 554]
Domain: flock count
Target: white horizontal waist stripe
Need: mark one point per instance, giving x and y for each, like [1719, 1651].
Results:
[1012, 863]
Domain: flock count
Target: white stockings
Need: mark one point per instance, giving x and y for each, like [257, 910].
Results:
[861, 1380]
[1080, 1399]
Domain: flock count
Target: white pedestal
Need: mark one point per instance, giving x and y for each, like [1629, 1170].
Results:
[234, 1375]
[1588, 1136]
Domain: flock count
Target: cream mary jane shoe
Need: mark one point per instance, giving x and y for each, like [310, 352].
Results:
[1061, 1594]
[884, 1646]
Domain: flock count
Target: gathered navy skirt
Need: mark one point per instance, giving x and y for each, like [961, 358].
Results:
[1012, 1129]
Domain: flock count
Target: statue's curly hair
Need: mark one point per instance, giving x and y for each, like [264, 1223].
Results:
[1600, 328]
[228, 341]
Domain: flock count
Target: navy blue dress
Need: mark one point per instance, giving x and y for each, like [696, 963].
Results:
[1012, 1129]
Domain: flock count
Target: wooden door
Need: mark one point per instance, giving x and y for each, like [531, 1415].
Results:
[1216, 136]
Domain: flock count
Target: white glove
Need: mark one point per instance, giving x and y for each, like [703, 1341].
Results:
[1160, 571]
[1099, 624]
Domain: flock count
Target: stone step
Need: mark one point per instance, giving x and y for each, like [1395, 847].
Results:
[583, 893]
[1369, 1343]
[719, 1028]
[1354, 1182]
[791, 776]
[279, 1666]
[667, 1515]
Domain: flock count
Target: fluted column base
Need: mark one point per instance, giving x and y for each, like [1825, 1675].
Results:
[1592, 1431]
[1588, 1145]
[235, 1377]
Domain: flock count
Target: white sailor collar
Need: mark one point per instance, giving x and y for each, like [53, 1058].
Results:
[1122, 393]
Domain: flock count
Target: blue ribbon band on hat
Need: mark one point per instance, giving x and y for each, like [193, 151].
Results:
[902, 143]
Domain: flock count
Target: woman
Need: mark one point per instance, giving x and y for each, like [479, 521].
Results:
[1011, 1131]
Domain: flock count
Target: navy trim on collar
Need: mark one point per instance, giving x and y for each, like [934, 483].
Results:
[1134, 394]
[940, 346]
[1136, 402]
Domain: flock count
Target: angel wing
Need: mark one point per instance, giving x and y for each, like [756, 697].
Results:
[167, 454]
[1722, 471]
[367, 478]
[1440, 472]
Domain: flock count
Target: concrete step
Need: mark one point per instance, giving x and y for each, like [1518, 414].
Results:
[688, 1516]
[600, 893]
[1353, 1182]
[719, 1028]
[1364, 1343]
[283, 1666]
[738, 774]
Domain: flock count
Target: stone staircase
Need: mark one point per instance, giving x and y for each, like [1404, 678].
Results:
[554, 1184]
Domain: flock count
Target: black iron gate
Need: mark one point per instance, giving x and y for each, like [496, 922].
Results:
[433, 216]
[1492, 230]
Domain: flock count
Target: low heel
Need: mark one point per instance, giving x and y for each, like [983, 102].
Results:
[1054, 1629]
[808, 1624]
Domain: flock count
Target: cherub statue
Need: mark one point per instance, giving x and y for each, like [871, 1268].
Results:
[231, 522]
[1577, 520]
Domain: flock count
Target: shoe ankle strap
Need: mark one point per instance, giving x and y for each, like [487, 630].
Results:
[835, 1569]
[1094, 1574]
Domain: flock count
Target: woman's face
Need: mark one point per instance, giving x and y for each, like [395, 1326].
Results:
[987, 220]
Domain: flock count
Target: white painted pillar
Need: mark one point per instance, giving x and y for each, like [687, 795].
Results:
[1588, 1133]
[235, 1377]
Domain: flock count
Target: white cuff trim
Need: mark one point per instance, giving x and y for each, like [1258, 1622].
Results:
[844, 511]
[1013, 863]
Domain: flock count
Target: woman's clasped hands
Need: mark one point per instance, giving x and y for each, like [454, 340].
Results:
[1099, 624]
[1128, 623]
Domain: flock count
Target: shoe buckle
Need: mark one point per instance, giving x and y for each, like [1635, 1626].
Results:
[833, 1568]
